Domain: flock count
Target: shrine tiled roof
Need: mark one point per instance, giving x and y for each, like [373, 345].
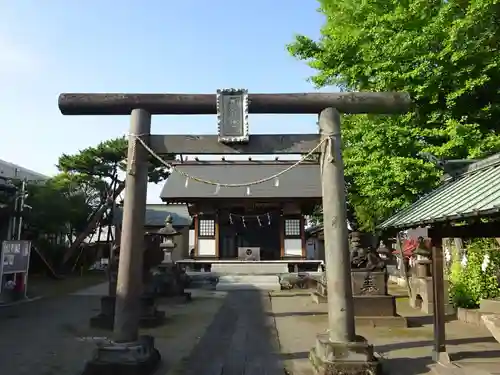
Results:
[473, 192]
[156, 214]
[302, 181]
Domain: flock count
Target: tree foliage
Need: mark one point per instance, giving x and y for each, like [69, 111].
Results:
[100, 171]
[56, 207]
[445, 54]
[477, 278]
[105, 161]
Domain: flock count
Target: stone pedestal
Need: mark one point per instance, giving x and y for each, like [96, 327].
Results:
[353, 358]
[423, 296]
[171, 281]
[150, 316]
[369, 283]
[370, 299]
[105, 319]
[135, 358]
[423, 268]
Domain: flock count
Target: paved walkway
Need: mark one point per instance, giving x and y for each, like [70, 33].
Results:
[242, 339]
[40, 337]
[406, 351]
[218, 333]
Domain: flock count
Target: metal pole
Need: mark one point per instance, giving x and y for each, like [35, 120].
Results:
[439, 352]
[27, 272]
[129, 285]
[12, 228]
[21, 209]
[337, 256]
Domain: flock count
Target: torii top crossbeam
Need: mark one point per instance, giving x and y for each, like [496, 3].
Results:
[206, 104]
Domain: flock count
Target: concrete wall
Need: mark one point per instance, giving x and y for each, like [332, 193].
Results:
[317, 247]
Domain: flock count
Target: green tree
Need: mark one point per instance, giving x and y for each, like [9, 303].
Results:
[57, 207]
[101, 169]
[101, 166]
[445, 54]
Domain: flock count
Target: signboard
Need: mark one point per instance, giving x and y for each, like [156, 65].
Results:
[15, 256]
[249, 253]
[232, 115]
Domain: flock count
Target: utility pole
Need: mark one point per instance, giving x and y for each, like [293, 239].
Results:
[21, 198]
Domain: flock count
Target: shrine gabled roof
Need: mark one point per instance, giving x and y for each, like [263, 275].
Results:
[302, 181]
[473, 192]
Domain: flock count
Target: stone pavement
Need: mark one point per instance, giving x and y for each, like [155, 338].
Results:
[52, 336]
[242, 339]
[241, 332]
[218, 332]
[39, 338]
[406, 351]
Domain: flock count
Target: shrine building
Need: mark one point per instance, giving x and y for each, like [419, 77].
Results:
[262, 222]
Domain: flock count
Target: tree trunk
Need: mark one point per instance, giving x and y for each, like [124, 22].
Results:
[92, 223]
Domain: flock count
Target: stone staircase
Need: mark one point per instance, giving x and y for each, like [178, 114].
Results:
[248, 282]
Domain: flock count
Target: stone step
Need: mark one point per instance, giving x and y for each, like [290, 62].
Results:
[490, 306]
[248, 282]
[249, 279]
[247, 268]
[492, 322]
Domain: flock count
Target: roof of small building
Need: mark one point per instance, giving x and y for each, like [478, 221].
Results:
[302, 181]
[13, 171]
[156, 214]
[473, 192]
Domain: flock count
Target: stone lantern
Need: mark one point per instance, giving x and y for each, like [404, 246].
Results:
[167, 235]
[423, 259]
[384, 252]
[171, 278]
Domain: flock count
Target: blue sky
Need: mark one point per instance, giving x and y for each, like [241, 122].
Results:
[188, 46]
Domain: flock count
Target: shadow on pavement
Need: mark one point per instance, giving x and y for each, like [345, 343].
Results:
[421, 320]
[242, 339]
[419, 344]
[407, 366]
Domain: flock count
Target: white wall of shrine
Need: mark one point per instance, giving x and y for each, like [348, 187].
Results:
[206, 247]
[293, 247]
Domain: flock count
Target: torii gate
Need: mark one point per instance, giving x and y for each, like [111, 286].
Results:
[232, 107]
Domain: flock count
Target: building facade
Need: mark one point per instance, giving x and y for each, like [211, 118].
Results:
[264, 221]
[156, 215]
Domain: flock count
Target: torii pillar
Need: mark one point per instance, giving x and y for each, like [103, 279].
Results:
[339, 351]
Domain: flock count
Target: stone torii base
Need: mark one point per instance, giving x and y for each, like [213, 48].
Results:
[333, 358]
[135, 358]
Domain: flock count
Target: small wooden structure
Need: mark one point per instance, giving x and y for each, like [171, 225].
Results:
[455, 209]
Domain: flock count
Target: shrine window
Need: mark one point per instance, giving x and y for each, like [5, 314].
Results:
[292, 228]
[206, 228]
